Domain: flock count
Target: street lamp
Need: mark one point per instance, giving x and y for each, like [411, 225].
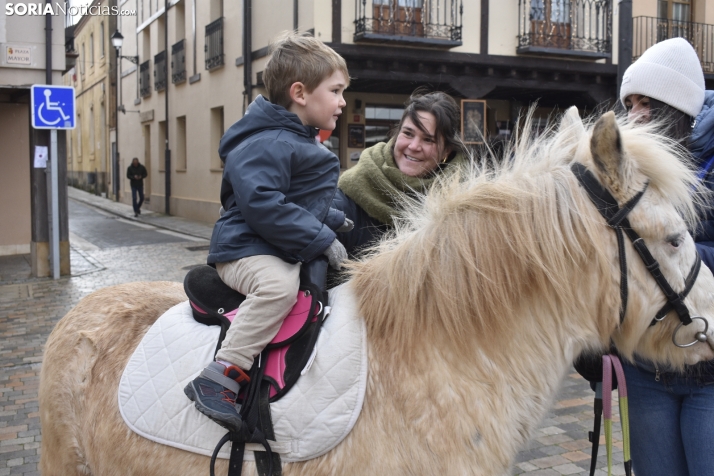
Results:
[117, 41]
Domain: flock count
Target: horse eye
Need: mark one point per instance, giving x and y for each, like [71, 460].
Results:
[675, 242]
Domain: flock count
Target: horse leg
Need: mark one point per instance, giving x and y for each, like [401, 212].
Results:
[84, 357]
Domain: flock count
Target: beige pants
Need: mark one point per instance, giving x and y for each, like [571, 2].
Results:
[270, 286]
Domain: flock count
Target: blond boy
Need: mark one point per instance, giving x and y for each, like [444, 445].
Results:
[277, 188]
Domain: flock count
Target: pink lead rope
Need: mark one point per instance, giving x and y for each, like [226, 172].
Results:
[608, 362]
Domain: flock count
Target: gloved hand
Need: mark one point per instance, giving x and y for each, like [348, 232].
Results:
[348, 225]
[336, 254]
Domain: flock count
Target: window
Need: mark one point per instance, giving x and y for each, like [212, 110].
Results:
[677, 10]
[550, 23]
[91, 49]
[398, 17]
[101, 40]
[216, 134]
[214, 44]
[82, 59]
[380, 121]
[181, 143]
[162, 146]
[91, 126]
[147, 151]
[180, 11]
[215, 9]
[79, 137]
[679, 14]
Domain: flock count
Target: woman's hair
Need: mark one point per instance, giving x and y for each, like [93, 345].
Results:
[446, 112]
[677, 125]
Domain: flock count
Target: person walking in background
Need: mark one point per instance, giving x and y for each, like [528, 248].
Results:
[136, 173]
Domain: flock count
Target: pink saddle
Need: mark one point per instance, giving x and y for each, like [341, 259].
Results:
[214, 303]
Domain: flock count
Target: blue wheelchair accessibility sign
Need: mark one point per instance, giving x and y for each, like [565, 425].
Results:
[53, 107]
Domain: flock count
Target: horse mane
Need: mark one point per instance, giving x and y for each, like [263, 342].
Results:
[508, 236]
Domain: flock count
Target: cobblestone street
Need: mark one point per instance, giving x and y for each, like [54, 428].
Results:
[29, 308]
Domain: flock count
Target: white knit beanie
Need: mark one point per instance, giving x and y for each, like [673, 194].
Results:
[670, 72]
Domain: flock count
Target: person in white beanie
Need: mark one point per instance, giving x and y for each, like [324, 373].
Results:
[672, 413]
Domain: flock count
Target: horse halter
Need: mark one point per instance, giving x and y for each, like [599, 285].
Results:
[616, 218]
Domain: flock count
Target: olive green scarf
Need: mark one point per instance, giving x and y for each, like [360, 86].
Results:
[377, 185]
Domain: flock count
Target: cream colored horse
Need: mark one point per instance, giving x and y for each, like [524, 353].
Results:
[475, 309]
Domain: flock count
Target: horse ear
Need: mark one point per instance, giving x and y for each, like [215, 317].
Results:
[571, 124]
[608, 158]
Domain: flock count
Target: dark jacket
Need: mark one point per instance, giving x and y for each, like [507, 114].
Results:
[277, 189]
[138, 170]
[701, 145]
[367, 230]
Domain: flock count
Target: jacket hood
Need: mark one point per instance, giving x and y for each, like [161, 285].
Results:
[262, 115]
[701, 142]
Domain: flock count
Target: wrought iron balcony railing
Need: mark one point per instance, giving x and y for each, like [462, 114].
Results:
[145, 79]
[647, 31]
[178, 62]
[160, 72]
[431, 22]
[214, 44]
[565, 27]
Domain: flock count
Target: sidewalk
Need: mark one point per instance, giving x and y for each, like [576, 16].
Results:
[159, 220]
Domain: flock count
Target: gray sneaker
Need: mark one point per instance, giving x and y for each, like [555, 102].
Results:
[214, 393]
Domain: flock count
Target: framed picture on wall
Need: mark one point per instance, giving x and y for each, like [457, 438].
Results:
[355, 136]
[473, 121]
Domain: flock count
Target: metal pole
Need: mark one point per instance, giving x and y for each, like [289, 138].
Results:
[624, 41]
[115, 165]
[54, 159]
[167, 158]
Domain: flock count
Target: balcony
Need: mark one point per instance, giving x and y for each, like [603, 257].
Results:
[145, 79]
[178, 62]
[575, 28]
[214, 45]
[160, 72]
[423, 22]
[647, 31]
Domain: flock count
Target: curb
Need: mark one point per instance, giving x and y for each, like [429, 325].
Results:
[129, 216]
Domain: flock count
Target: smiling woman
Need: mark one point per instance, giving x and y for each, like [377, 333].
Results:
[425, 144]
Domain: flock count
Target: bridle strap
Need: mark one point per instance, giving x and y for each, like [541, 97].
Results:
[616, 218]
[689, 284]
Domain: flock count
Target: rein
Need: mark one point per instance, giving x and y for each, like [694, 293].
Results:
[616, 218]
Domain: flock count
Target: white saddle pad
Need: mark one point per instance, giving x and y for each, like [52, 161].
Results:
[311, 419]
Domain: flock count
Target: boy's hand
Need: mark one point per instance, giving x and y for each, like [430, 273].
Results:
[336, 254]
[348, 225]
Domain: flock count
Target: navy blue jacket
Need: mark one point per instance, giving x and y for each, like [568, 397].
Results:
[701, 145]
[367, 230]
[277, 189]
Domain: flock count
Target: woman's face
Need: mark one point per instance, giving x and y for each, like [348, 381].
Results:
[638, 108]
[417, 154]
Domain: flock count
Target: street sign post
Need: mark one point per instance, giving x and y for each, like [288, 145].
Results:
[53, 107]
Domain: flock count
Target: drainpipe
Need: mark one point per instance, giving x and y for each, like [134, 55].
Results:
[48, 46]
[624, 41]
[247, 56]
[193, 28]
[295, 15]
[167, 158]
